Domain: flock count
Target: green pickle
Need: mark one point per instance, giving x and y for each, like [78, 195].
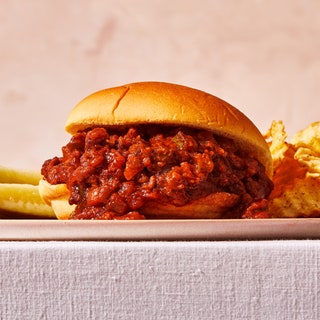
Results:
[9, 175]
[19, 195]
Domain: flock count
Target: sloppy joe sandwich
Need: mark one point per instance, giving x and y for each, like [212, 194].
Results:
[158, 151]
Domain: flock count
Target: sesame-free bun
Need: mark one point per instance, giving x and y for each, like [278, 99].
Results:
[168, 104]
[56, 196]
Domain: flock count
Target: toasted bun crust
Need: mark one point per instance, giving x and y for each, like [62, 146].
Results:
[169, 104]
[213, 206]
[56, 196]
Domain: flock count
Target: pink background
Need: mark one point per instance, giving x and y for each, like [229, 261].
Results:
[261, 56]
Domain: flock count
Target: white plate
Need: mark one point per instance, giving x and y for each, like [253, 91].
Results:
[160, 229]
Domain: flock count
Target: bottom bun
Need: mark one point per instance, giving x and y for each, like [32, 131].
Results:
[57, 196]
[213, 206]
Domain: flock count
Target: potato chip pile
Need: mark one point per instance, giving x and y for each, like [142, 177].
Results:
[19, 195]
[296, 171]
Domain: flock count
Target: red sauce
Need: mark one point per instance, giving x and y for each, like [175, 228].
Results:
[112, 174]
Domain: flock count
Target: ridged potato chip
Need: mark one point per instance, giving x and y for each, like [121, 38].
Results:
[302, 201]
[307, 145]
[276, 137]
[296, 172]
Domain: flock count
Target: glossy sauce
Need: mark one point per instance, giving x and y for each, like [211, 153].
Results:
[112, 174]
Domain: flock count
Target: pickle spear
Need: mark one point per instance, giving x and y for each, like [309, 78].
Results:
[23, 199]
[19, 195]
[10, 175]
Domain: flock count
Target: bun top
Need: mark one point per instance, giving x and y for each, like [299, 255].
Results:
[169, 104]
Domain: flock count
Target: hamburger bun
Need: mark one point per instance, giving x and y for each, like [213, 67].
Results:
[162, 104]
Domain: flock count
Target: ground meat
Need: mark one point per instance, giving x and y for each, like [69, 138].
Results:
[112, 174]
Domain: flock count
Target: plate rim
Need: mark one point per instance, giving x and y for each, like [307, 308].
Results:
[124, 230]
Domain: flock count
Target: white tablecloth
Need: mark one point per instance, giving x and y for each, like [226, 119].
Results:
[160, 280]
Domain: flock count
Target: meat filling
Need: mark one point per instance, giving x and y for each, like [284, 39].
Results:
[112, 174]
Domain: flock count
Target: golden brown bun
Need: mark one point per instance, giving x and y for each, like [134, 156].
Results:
[213, 206]
[57, 196]
[169, 104]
